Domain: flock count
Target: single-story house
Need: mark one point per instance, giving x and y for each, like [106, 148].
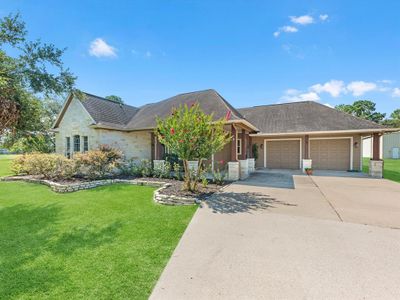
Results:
[288, 136]
[390, 146]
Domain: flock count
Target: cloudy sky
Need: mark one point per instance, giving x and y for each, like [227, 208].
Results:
[252, 52]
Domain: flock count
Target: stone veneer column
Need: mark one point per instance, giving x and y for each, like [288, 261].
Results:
[233, 171]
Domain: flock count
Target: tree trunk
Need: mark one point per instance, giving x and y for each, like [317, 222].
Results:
[187, 181]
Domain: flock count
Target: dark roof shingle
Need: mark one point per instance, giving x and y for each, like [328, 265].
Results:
[108, 112]
[209, 100]
[307, 116]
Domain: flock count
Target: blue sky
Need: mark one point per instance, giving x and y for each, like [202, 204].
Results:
[252, 52]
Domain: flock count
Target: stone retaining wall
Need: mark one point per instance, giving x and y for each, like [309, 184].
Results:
[73, 187]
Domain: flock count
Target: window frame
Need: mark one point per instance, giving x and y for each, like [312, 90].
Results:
[77, 142]
[85, 143]
[239, 146]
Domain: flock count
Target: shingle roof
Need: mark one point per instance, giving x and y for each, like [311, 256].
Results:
[209, 100]
[108, 112]
[307, 116]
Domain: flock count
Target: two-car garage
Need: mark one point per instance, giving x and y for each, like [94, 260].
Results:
[326, 153]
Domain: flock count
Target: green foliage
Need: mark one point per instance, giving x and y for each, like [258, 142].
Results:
[114, 98]
[162, 171]
[220, 173]
[177, 171]
[146, 168]
[49, 166]
[193, 136]
[26, 68]
[254, 150]
[394, 120]
[100, 163]
[364, 109]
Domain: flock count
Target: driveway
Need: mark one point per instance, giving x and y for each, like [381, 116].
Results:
[290, 241]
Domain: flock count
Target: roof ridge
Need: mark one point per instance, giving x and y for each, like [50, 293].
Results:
[109, 100]
[285, 103]
[228, 105]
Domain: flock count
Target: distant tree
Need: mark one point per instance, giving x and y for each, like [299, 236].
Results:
[364, 109]
[115, 99]
[394, 120]
[27, 68]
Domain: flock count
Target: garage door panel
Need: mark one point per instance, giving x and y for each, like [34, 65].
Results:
[330, 154]
[283, 154]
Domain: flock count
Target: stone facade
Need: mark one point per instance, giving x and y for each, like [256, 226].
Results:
[77, 121]
[376, 168]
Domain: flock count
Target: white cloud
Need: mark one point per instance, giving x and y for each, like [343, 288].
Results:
[333, 87]
[396, 92]
[323, 17]
[293, 95]
[386, 81]
[329, 105]
[289, 29]
[100, 48]
[359, 88]
[148, 54]
[302, 20]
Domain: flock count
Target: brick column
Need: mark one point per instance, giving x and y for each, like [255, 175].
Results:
[233, 144]
[159, 152]
[250, 147]
[376, 146]
[244, 144]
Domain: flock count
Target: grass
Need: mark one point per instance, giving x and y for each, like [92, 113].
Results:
[107, 243]
[391, 168]
[5, 164]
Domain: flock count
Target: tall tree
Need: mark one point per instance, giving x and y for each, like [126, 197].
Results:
[394, 120]
[115, 99]
[33, 68]
[364, 109]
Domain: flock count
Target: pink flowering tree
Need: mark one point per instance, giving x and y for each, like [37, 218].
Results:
[193, 136]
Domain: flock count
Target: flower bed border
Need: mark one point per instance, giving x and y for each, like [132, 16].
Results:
[73, 187]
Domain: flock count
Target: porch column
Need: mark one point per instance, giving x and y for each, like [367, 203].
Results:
[153, 146]
[233, 144]
[250, 147]
[375, 146]
[244, 144]
[306, 146]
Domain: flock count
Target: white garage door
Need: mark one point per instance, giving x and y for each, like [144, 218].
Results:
[330, 154]
[283, 154]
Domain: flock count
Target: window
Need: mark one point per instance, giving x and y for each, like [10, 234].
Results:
[68, 146]
[239, 146]
[85, 144]
[77, 143]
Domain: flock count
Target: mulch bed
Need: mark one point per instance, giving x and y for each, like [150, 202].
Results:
[176, 188]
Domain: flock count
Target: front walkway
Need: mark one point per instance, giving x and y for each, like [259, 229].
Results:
[290, 243]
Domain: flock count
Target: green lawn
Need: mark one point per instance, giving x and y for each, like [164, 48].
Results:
[391, 168]
[5, 163]
[106, 243]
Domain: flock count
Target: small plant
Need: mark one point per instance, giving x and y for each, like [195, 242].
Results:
[219, 173]
[146, 169]
[309, 171]
[177, 171]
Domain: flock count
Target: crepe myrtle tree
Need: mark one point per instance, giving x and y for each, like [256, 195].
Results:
[193, 136]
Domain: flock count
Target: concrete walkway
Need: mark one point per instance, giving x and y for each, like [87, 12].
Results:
[289, 243]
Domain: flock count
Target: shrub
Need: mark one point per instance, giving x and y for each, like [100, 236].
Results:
[50, 166]
[98, 163]
[177, 171]
[219, 174]
[145, 168]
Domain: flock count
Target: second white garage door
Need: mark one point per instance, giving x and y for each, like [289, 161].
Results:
[283, 154]
[330, 154]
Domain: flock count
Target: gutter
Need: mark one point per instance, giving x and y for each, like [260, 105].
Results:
[377, 130]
